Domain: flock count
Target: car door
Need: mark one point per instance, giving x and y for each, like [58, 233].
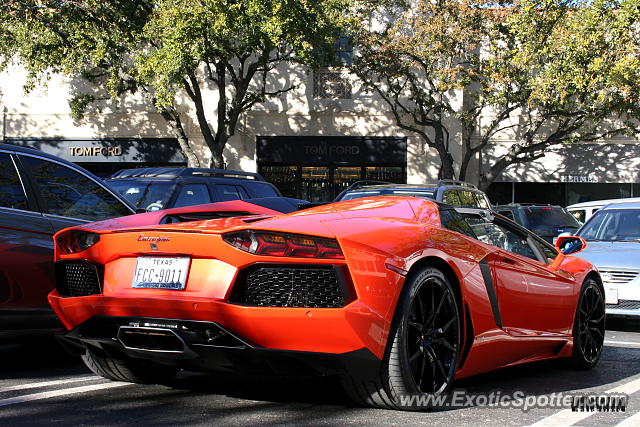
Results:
[532, 297]
[26, 253]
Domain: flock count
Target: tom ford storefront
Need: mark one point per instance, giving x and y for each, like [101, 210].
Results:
[104, 156]
[317, 168]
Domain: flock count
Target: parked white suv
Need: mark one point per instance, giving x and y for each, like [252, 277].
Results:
[583, 211]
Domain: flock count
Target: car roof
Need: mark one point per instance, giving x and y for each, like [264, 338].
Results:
[627, 205]
[428, 187]
[173, 173]
[35, 151]
[599, 203]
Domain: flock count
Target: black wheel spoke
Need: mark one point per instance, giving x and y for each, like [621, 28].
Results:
[432, 335]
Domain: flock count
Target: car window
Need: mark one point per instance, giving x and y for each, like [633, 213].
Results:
[466, 198]
[149, 195]
[548, 216]
[452, 220]
[613, 225]
[66, 192]
[11, 191]
[262, 189]
[451, 198]
[500, 236]
[481, 201]
[192, 194]
[226, 192]
[579, 215]
[549, 252]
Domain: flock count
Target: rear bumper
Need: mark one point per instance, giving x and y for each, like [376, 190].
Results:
[207, 346]
[318, 330]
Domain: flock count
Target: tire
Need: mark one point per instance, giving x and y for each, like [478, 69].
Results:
[133, 371]
[588, 326]
[424, 348]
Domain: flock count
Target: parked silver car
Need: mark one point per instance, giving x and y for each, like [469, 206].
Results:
[613, 237]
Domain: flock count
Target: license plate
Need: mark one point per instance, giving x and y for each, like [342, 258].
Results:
[611, 296]
[161, 273]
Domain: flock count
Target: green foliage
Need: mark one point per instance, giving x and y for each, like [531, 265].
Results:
[165, 48]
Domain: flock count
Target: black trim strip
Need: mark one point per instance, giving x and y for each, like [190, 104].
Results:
[491, 291]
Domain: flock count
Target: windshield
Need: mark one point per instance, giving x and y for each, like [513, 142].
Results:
[546, 216]
[148, 195]
[613, 225]
[387, 192]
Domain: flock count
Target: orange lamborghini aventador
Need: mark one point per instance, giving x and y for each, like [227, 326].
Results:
[397, 295]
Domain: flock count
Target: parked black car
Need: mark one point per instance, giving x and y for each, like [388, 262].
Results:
[162, 188]
[451, 192]
[39, 195]
[547, 221]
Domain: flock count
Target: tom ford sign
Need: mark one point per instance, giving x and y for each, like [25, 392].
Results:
[310, 150]
[95, 151]
[108, 150]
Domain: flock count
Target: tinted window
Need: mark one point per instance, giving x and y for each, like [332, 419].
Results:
[452, 220]
[192, 194]
[262, 189]
[548, 217]
[11, 191]
[226, 192]
[151, 196]
[68, 193]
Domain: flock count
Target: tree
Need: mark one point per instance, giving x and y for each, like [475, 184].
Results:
[416, 62]
[165, 49]
[547, 71]
[570, 69]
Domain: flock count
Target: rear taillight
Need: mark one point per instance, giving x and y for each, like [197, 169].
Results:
[73, 241]
[284, 244]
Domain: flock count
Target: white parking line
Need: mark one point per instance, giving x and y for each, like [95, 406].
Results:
[635, 344]
[48, 383]
[567, 417]
[63, 392]
[632, 421]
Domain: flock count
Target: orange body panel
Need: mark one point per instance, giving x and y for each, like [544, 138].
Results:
[382, 240]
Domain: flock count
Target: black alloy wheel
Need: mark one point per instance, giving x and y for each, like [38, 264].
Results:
[589, 327]
[424, 346]
[432, 335]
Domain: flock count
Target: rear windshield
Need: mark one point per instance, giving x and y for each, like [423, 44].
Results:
[549, 217]
[149, 195]
[387, 192]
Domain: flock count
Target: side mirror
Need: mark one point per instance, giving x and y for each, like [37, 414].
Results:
[569, 245]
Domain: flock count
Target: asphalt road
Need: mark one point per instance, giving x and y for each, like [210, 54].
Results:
[41, 385]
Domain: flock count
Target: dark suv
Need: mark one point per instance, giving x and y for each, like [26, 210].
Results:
[547, 221]
[153, 189]
[454, 193]
[40, 194]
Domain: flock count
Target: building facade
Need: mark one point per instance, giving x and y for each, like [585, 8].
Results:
[311, 142]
